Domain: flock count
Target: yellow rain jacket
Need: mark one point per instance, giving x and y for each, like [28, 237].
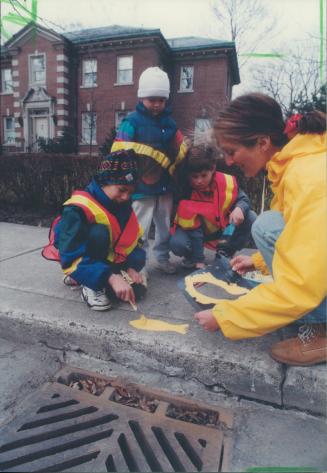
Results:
[298, 177]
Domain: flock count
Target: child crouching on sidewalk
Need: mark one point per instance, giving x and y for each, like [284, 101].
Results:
[96, 237]
[210, 202]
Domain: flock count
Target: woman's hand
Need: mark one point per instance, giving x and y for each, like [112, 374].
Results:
[242, 264]
[207, 320]
[135, 276]
[236, 217]
[121, 288]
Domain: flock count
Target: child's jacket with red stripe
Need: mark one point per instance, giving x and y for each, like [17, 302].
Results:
[211, 210]
[68, 237]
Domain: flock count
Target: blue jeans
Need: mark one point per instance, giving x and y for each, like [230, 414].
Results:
[190, 243]
[242, 233]
[265, 232]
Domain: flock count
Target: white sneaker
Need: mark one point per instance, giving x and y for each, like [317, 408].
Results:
[96, 300]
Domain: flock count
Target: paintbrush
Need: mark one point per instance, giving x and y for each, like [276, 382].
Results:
[134, 306]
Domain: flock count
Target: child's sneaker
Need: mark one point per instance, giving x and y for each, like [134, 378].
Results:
[200, 265]
[70, 282]
[187, 264]
[166, 267]
[96, 300]
[225, 252]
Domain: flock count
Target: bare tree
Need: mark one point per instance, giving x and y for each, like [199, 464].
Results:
[293, 79]
[247, 22]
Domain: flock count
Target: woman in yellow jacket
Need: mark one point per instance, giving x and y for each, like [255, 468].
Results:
[291, 237]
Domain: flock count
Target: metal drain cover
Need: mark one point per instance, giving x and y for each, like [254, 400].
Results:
[64, 429]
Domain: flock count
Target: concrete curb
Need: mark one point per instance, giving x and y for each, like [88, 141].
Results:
[36, 307]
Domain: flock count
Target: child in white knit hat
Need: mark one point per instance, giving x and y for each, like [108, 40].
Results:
[153, 135]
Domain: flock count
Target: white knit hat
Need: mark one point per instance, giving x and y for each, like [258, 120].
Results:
[153, 82]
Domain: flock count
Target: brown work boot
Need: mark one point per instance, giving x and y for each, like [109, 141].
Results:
[308, 348]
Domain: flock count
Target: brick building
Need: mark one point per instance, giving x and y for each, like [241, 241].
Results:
[87, 81]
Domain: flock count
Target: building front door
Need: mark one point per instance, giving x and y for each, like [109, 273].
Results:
[41, 130]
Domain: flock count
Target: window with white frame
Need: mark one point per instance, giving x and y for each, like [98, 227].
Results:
[124, 69]
[186, 80]
[89, 127]
[6, 81]
[37, 69]
[9, 130]
[119, 117]
[202, 125]
[90, 67]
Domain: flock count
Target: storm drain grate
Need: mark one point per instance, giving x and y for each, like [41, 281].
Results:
[65, 429]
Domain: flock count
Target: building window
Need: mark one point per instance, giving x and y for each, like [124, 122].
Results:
[125, 70]
[6, 81]
[89, 127]
[202, 125]
[119, 117]
[89, 73]
[9, 130]
[37, 69]
[186, 82]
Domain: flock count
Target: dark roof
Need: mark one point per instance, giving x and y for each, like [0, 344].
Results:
[6, 47]
[117, 31]
[193, 42]
[108, 32]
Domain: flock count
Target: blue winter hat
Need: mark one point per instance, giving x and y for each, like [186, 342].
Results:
[118, 167]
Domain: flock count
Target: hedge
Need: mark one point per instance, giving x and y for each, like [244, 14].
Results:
[44, 181]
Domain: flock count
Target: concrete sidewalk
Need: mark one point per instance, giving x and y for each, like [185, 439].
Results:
[36, 307]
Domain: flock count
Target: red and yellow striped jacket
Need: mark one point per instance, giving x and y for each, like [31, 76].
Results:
[122, 241]
[213, 213]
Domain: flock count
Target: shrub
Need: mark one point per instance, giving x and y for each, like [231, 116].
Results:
[45, 181]
[41, 181]
[105, 148]
[65, 144]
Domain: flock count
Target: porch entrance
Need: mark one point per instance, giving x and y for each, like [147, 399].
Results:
[39, 126]
[38, 115]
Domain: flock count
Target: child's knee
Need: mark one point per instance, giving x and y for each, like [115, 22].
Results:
[257, 229]
[177, 246]
[270, 222]
[140, 259]
[98, 241]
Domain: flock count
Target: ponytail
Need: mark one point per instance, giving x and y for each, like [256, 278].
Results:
[312, 122]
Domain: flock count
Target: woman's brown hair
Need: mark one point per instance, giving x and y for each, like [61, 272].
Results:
[249, 116]
[312, 122]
